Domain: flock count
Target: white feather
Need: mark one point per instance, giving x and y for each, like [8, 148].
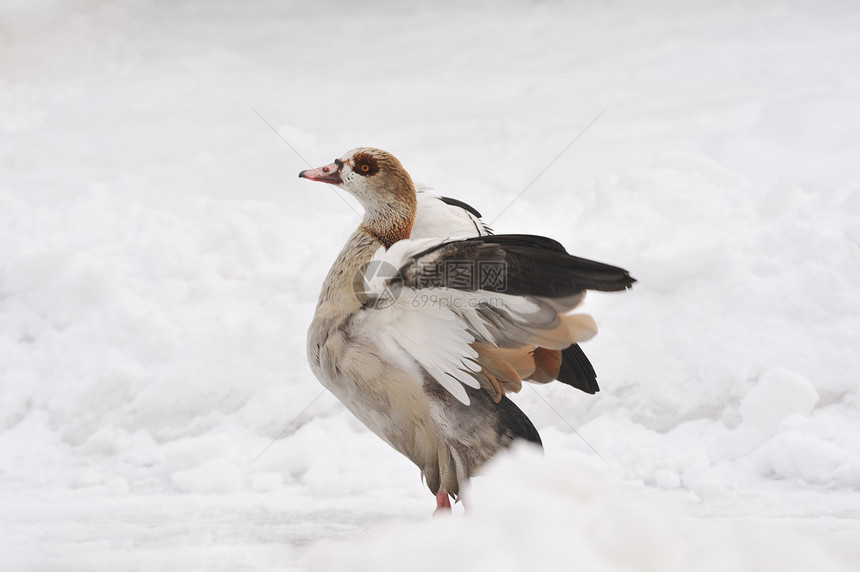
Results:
[437, 219]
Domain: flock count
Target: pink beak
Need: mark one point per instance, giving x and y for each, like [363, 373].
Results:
[326, 174]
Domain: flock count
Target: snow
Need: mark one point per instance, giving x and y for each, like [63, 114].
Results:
[160, 262]
[777, 395]
[575, 518]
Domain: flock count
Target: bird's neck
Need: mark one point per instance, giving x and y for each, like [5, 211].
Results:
[341, 289]
[388, 223]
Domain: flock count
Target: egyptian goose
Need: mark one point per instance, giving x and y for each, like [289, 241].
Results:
[426, 320]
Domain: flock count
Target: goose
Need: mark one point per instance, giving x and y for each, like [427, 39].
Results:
[427, 320]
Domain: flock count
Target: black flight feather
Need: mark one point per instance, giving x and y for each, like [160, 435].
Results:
[461, 204]
[468, 208]
[532, 265]
[513, 419]
[577, 371]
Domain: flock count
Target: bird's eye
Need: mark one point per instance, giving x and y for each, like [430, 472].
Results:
[365, 164]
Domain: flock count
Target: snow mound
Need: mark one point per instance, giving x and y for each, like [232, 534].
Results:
[778, 394]
[540, 513]
[215, 476]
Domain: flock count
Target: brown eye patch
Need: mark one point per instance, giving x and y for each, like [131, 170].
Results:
[365, 164]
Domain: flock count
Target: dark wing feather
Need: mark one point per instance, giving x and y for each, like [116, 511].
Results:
[577, 371]
[513, 418]
[469, 209]
[533, 265]
[461, 204]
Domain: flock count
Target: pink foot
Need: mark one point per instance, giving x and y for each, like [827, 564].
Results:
[443, 503]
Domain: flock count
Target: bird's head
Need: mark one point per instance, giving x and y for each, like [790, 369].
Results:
[374, 177]
[379, 182]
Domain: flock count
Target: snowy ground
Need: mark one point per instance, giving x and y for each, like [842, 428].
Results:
[160, 261]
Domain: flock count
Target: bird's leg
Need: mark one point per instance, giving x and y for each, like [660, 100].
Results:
[443, 503]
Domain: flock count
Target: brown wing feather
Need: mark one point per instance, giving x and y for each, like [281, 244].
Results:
[503, 369]
[547, 365]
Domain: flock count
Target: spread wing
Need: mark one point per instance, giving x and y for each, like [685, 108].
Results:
[486, 311]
